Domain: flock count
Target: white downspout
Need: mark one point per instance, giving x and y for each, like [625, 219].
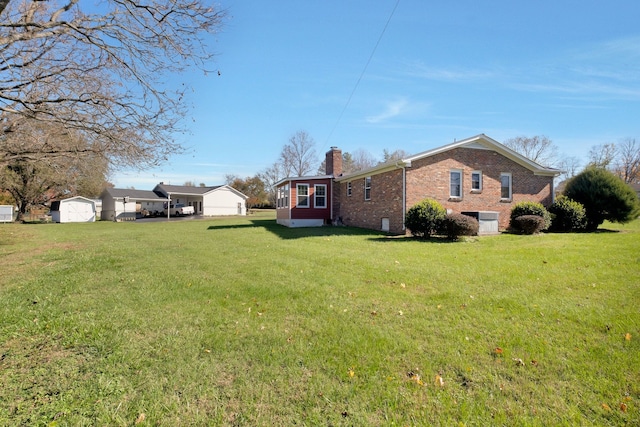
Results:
[404, 189]
[404, 196]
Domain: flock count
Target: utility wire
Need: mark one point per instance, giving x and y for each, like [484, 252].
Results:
[364, 70]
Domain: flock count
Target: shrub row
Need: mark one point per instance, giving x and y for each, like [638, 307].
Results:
[428, 218]
[564, 215]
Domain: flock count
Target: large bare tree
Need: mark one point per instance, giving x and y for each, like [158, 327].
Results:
[622, 158]
[603, 155]
[538, 148]
[298, 156]
[99, 69]
[627, 164]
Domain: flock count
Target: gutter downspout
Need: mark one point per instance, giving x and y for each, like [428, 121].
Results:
[331, 199]
[404, 165]
[404, 196]
[169, 206]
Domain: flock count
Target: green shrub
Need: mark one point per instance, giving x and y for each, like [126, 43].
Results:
[528, 224]
[455, 225]
[424, 218]
[530, 208]
[604, 197]
[567, 215]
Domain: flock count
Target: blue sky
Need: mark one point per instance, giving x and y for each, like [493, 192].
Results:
[441, 71]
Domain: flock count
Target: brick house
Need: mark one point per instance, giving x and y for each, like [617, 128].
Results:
[477, 176]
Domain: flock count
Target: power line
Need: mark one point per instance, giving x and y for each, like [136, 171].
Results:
[362, 73]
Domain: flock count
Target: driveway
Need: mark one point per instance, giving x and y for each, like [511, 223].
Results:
[171, 218]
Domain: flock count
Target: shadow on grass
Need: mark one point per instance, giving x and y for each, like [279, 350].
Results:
[300, 232]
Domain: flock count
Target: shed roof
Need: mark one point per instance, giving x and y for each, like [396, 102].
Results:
[55, 205]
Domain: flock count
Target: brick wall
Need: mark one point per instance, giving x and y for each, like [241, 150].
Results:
[429, 177]
[385, 202]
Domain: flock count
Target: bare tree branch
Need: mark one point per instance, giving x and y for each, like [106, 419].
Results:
[540, 149]
[100, 70]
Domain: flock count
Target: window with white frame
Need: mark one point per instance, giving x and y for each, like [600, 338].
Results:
[302, 195]
[505, 186]
[283, 196]
[349, 188]
[286, 196]
[367, 188]
[476, 181]
[320, 196]
[455, 184]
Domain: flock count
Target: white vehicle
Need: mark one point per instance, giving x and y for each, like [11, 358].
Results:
[181, 209]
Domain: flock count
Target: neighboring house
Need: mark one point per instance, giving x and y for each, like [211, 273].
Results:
[121, 204]
[477, 176]
[208, 201]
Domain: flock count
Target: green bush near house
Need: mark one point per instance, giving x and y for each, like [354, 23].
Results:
[604, 196]
[567, 215]
[529, 208]
[425, 218]
[528, 224]
[456, 225]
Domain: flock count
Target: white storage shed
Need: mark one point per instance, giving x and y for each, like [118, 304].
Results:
[73, 209]
[6, 213]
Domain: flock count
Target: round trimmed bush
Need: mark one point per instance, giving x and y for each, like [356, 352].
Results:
[424, 218]
[604, 197]
[455, 225]
[530, 208]
[528, 224]
[567, 215]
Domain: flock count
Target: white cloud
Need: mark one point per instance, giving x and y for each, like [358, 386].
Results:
[392, 109]
[400, 107]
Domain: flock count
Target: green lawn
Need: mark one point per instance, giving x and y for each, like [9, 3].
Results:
[242, 322]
